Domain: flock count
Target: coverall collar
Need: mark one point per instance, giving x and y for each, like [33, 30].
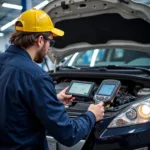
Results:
[18, 50]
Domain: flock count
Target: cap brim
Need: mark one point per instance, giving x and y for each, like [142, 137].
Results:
[57, 32]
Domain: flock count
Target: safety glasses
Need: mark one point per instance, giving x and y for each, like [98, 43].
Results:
[52, 42]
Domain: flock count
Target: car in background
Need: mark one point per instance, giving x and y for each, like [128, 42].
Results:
[105, 57]
[106, 40]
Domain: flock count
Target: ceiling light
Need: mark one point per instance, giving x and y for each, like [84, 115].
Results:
[44, 3]
[13, 6]
[41, 5]
[8, 24]
[73, 58]
[94, 57]
[1, 34]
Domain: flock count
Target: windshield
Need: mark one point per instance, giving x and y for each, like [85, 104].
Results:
[143, 1]
[104, 57]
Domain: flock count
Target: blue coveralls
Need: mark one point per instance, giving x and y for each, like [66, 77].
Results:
[29, 106]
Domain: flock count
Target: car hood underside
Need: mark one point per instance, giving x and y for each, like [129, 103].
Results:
[99, 24]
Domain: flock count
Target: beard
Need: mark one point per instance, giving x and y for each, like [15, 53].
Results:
[40, 55]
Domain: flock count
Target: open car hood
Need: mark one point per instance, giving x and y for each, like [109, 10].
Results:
[91, 24]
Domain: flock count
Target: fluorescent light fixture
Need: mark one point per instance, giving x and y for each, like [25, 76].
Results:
[44, 3]
[13, 6]
[4, 27]
[73, 58]
[1, 34]
[8, 24]
[94, 57]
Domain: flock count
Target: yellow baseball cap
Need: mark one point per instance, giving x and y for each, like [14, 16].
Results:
[34, 20]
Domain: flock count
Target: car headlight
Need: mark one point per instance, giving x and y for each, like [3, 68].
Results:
[137, 113]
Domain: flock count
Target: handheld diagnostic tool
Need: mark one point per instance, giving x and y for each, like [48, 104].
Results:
[107, 91]
[80, 88]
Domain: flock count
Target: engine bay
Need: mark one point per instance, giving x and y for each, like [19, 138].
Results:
[128, 92]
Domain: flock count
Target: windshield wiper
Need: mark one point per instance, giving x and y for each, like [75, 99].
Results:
[105, 68]
[128, 67]
[70, 67]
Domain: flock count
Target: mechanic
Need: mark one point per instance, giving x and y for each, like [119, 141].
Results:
[29, 105]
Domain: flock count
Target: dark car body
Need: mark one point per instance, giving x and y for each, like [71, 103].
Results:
[126, 138]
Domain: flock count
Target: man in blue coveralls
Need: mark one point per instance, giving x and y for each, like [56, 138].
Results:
[29, 104]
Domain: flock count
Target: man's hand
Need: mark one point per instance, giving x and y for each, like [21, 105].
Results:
[98, 110]
[62, 96]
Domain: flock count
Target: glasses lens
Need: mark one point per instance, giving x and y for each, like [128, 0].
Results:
[52, 42]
